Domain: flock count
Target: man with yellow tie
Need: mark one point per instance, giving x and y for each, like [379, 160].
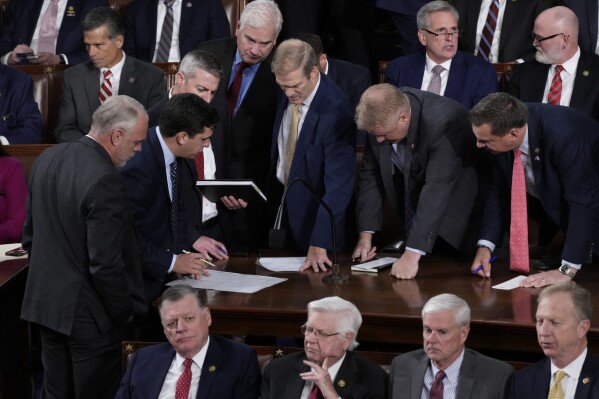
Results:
[570, 370]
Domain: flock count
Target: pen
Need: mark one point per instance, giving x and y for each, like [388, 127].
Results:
[223, 250]
[203, 260]
[478, 269]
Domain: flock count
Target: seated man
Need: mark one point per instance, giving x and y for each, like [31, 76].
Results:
[570, 370]
[445, 368]
[20, 118]
[193, 363]
[327, 367]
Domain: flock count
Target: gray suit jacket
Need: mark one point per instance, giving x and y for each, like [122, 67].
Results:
[140, 80]
[481, 377]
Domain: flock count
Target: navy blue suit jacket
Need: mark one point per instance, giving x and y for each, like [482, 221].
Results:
[201, 20]
[352, 79]
[470, 78]
[325, 157]
[586, 11]
[564, 146]
[20, 118]
[534, 380]
[21, 18]
[230, 370]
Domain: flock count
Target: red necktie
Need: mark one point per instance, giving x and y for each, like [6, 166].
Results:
[315, 393]
[519, 224]
[199, 161]
[437, 387]
[486, 39]
[555, 91]
[184, 381]
[233, 93]
[106, 87]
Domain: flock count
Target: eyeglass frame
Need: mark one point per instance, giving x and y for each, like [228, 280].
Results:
[457, 33]
[541, 39]
[319, 334]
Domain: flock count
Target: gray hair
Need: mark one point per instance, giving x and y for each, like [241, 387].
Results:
[200, 59]
[262, 14]
[117, 112]
[581, 298]
[291, 55]
[378, 104]
[449, 302]
[177, 292]
[501, 111]
[422, 17]
[348, 316]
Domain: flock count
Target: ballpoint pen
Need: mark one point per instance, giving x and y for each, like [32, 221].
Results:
[478, 269]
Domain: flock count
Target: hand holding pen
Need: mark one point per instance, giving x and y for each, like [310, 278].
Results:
[481, 266]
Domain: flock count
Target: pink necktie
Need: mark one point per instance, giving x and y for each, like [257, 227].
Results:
[106, 87]
[184, 381]
[519, 258]
[555, 91]
[48, 29]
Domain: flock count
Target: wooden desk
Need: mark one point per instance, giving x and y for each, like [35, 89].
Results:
[502, 321]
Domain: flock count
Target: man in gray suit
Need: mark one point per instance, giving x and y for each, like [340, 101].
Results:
[445, 368]
[84, 282]
[108, 72]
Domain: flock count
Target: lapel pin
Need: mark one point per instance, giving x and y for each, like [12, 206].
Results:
[537, 150]
[586, 380]
[537, 158]
[212, 368]
[341, 383]
[412, 146]
[131, 80]
[71, 11]
[188, 4]
[586, 72]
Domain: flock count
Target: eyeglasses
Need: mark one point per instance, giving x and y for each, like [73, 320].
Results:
[445, 35]
[320, 335]
[542, 39]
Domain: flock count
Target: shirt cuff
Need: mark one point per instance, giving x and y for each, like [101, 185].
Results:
[172, 266]
[572, 265]
[486, 244]
[4, 140]
[417, 251]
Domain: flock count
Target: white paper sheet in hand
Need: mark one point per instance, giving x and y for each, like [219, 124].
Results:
[281, 264]
[232, 282]
[510, 284]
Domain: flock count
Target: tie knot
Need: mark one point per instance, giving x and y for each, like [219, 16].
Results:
[559, 376]
[107, 73]
[440, 375]
[187, 364]
[169, 3]
[241, 66]
[559, 69]
[437, 69]
[296, 108]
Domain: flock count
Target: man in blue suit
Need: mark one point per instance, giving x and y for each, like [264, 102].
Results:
[20, 119]
[570, 369]
[318, 148]
[218, 367]
[21, 31]
[195, 21]
[560, 156]
[464, 77]
[586, 11]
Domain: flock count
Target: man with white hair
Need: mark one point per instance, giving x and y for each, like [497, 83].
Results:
[445, 368]
[327, 368]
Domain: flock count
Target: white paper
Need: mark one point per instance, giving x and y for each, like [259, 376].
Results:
[373, 264]
[510, 284]
[231, 282]
[282, 264]
[8, 247]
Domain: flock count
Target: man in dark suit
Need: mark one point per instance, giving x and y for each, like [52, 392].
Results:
[559, 149]
[20, 118]
[83, 85]
[219, 368]
[194, 21]
[586, 11]
[577, 70]
[320, 150]
[570, 370]
[464, 77]
[84, 282]
[21, 31]
[419, 157]
[403, 15]
[512, 40]
[445, 366]
[328, 367]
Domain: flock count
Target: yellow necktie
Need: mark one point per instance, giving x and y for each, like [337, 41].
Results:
[291, 139]
[556, 391]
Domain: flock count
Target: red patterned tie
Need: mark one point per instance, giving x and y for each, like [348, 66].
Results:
[233, 93]
[555, 92]
[519, 225]
[437, 387]
[199, 161]
[486, 39]
[106, 87]
[315, 393]
[184, 381]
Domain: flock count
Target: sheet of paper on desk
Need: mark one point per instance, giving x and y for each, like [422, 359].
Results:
[282, 264]
[510, 284]
[231, 282]
[8, 247]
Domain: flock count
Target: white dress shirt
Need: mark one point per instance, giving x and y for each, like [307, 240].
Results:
[116, 75]
[450, 382]
[174, 55]
[169, 386]
[428, 74]
[573, 370]
[568, 75]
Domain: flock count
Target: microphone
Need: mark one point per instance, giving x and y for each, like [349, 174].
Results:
[276, 235]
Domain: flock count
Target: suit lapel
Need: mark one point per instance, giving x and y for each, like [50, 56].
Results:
[542, 380]
[457, 77]
[466, 378]
[156, 149]
[386, 166]
[418, 377]
[92, 86]
[412, 138]
[346, 376]
[32, 14]
[163, 360]
[416, 73]
[592, 6]
[295, 385]
[538, 81]
[582, 86]
[535, 150]
[510, 16]
[69, 20]
[588, 376]
[127, 83]
[274, 148]
[151, 14]
[210, 369]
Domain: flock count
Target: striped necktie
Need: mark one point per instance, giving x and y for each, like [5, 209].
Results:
[164, 46]
[555, 91]
[486, 39]
[106, 86]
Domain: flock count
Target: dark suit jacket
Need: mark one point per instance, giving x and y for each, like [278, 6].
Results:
[83, 257]
[565, 144]
[440, 173]
[470, 78]
[586, 11]
[325, 157]
[21, 18]
[534, 380]
[230, 370]
[12, 200]
[358, 378]
[481, 377]
[20, 118]
[140, 80]
[352, 79]
[529, 79]
[201, 20]
[518, 21]
[145, 180]
[407, 7]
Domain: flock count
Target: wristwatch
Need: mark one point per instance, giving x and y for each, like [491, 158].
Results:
[566, 270]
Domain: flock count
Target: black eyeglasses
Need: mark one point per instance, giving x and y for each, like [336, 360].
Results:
[542, 39]
[445, 35]
[320, 335]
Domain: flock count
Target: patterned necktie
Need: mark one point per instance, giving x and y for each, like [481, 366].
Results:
[556, 391]
[233, 93]
[106, 86]
[555, 91]
[184, 381]
[199, 161]
[519, 258]
[291, 139]
[173, 167]
[437, 387]
[315, 393]
[486, 39]
[48, 29]
[434, 85]
[164, 46]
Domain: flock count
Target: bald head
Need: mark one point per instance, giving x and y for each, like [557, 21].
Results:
[559, 25]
